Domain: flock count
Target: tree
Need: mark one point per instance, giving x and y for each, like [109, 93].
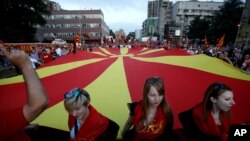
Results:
[131, 35]
[111, 33]
[226, 21]
[156, 35]
[166, 30]
[198, 28]
[19, 19]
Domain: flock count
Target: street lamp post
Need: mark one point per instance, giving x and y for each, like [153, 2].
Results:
[80, 32]
[80, 24]
[239, 25]
[237, 34]
[246, 44]
[183, 28]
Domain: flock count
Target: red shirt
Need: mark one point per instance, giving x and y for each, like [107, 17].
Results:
[12, 124]
[208, 126]
[47, 57]
[153, 130]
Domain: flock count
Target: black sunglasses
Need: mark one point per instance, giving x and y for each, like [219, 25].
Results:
[219, 86]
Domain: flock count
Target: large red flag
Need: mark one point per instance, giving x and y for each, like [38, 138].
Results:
[220, 42]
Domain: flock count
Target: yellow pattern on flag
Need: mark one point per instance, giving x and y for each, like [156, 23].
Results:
[151, 51]
[54, 117]
[50, 70]
[110, 103]
[106, 51]
[202, 63]
[124, 51]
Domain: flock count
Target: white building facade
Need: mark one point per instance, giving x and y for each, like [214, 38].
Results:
[183, 12]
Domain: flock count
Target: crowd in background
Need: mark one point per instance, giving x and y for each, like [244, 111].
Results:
[237, 57]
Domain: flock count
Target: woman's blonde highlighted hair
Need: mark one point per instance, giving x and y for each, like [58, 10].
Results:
[76, 102]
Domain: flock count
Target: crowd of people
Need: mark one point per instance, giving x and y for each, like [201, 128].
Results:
[237, 57]
[149, 119]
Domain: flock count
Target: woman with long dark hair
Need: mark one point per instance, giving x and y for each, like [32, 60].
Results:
[151, 118]
[210, 120]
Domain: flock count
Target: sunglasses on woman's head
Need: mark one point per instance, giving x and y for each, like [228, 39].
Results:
[219, 86]
[154, 80]
[74, 93]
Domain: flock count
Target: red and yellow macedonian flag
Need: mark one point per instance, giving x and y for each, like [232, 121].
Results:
[114, 77]
[220, 42]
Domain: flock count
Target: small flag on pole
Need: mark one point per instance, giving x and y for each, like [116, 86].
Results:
[205, 43]
[220, 42]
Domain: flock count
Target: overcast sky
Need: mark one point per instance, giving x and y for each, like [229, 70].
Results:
[118, 14]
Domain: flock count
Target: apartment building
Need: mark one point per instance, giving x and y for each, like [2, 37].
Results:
[165, 17]
[152, 17]
[65, 24]
[183, 12]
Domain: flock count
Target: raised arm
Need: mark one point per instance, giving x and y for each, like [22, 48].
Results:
[37, 99]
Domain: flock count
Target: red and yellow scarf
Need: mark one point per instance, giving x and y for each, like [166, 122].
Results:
[154, 129]
[92, 128]
[208, 126]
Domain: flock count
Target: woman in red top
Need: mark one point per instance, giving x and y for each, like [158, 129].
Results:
[85, 123]
[211, 118]
[151, 118]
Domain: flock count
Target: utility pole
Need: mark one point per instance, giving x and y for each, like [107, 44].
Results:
[239, 25]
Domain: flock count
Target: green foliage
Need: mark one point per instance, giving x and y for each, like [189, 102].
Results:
[224, 22]
[111, 33]
[19, 19]
[131, 35]
[156, 35]
[198, 28]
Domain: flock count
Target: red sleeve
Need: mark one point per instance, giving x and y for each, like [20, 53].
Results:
[11, 123]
